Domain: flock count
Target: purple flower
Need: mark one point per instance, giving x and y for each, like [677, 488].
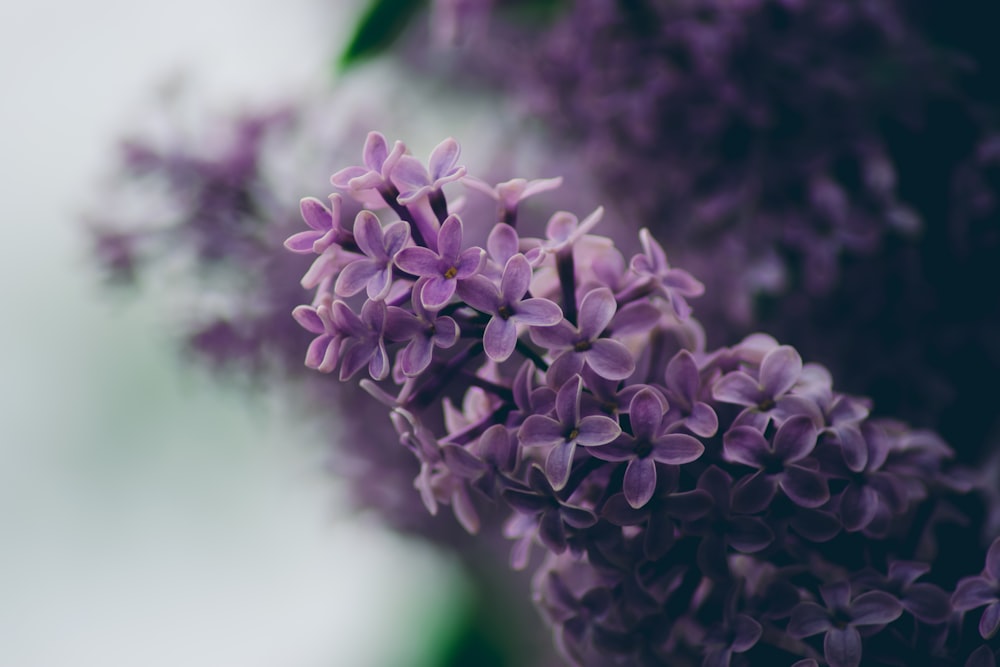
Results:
[974, 592]
[553, 515]
[423, 330]
[840, 620]
[738, 635]
[373, 273]
[507, 306]
[366, 342]
[369, 183]
[672, 284]
[683, 389]
[325, 223]
[510, 193]
[563, 434]
[324, 351]
[778, 465]
[444, 268]
[414, 181]
[766, 396]
[609, 358]
[648, 444]
[561, 232]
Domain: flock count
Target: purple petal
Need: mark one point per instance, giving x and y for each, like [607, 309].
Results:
[479, 293]
[746, 633]
[565, 366]
[636, 317]
[557, 337]
[355, 277]
[717, 483]
[858, 507]
[795, 439]
[419, 261]
[646, 411]
[538, 430]
[875, 608]
[621, 449]
[597, 430]
[461, 461]
[303, 242]
[816, 526]
[354, 359]
[989, 623]
[703, 421]
[443, 158]
[779, 370]
[689, 505]
[808, 619]
[436, 292]
[316, 214]
[972, 592]
[538, 313]
[682, 375]
[416, 356]
[746, 445]
[558, 464]
[853, 447]
[375, 151]
[982, 657]
[450, 239]
[470, 262]
[927, 603]
[737, 387]
[502, 243]
[379, 284]
[842, 647]
[610, 359]
[749, 534]
[378, 365]
[993, 560]
[640, 481]
[524, 502]
[805, 487]
[568, 402]
[905, 572]
[309, 319]
[596, 310]
[677, 449]
[577, 517]
[446, 332]
[394, 238]
[368, 235]
[515, 280]
[499, 339]
[753, 494]
[619, 512]
[552, 532]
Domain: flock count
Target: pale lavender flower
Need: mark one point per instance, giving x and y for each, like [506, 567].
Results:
[370, 184]
[508, 307]
[444, 268]
[415, 181]
[374, 272]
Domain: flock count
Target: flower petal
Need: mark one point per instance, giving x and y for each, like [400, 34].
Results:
[639, 482]
[795, 439]
[499, 339]
[746, 445]
[539, 430]
[558, 464]
[610, 359]
[805, 487]
[808, 619]
[597, 430]
[842, 647]
[596, 310]
[875, 608]
[737, 387]
[677, 449]
[779, 370]
[538, 313]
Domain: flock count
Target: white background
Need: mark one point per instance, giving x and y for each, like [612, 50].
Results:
[148, 517]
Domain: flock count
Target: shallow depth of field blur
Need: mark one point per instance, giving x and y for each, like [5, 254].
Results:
[149, 514]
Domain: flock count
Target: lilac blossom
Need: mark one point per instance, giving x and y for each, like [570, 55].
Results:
[983, 590]
[689, 489]
[507, 307]
[373, 273]
[415, 181]
[444, 268]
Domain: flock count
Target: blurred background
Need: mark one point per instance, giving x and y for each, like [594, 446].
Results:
[149, 514]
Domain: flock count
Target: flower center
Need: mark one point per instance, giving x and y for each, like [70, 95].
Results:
[582, 346]
[504, 312]
[643, 448]
[573, 435]
[451, 273]
[766, 404]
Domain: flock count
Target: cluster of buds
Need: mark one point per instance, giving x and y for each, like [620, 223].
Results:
[681, 506]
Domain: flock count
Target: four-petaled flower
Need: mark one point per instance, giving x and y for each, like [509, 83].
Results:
[648, 444]
[840, 620]
[368, 183]
[374, 272]
[563, 434]
[672, 284]
[424, 330]
[507, 306]
[444, 268]
[414, 181]
[609, 358]
[766, 396]
[325, 226]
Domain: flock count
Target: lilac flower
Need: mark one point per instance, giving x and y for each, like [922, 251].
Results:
[374, 273]
[777, 464]
[563, 434]
[366, 342]
[423, 330]
[511, 193]
[326, 226]
[648, 445]
[561, 232]
[738, 635]
[926, 602]
[683, 388]
[324, 351]
[553, 515]
[414, 181]
[840, 620]
[609, 358]
[974, 592]
[767, 396]
[508, 307]
[672, 284]
[371, 183]
[444, 268]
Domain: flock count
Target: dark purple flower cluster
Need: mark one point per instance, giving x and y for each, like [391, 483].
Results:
[689, 506]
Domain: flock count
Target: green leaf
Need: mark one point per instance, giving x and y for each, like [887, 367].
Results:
[380, 25]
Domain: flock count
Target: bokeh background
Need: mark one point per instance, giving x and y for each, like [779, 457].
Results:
[150, 514]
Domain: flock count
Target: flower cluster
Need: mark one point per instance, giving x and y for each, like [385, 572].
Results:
[687, 505]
